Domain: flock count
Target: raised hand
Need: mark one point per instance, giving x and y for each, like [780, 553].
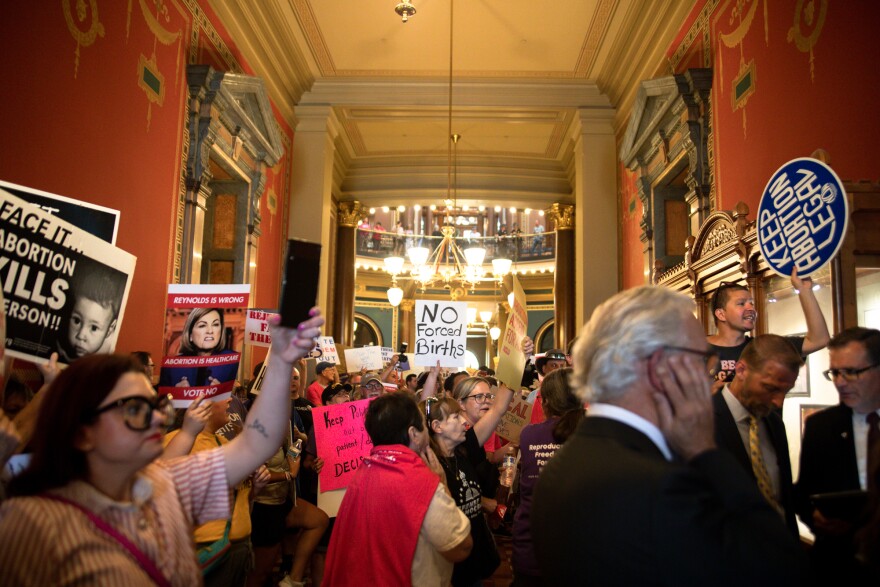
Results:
[292, 344]
[197, 415]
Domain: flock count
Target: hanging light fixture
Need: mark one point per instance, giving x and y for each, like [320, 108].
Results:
[485, 316]
[405, 10]
[447, 264]
[494, 333]
[395, 296]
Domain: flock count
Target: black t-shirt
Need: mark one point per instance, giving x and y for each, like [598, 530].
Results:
[303, 407]
[729, 355]
[463, 484]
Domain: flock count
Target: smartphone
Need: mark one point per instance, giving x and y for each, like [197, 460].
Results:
[404, 360]
[299, 289]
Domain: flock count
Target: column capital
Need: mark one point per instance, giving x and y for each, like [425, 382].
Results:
[348, 213]
[562, 216]
[407, 305]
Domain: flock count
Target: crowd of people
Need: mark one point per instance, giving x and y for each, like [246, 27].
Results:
[652, 455]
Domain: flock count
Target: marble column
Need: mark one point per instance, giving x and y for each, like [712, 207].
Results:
[347, 216]
[597, 264]
[562, 217]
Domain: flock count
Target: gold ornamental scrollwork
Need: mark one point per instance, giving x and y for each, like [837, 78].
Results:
[562, 216]
[348, 213]
[407, 305]
[83, 38]
[807, 18]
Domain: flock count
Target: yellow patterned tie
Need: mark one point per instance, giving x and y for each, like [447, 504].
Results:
[761, 474]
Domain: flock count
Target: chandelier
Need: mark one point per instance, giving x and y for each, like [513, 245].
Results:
[448, 265]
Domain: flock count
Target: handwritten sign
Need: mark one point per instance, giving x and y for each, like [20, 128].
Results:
[517, 416]
[441, 333]
[511, 359]
[365, 356]
[342, 441]
[387, 353]
[256, 328]
[802, 218]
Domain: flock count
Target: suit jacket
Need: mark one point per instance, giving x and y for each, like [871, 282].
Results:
[609, 509]
[728, 437]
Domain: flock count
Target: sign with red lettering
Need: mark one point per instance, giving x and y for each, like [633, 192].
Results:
[204, 333]
[511, 359]
[517, 417]
[342, 441]
[256, 328]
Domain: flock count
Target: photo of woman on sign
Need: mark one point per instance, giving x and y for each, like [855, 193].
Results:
[204, 334]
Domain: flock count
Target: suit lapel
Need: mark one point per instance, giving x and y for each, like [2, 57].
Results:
[727, 434]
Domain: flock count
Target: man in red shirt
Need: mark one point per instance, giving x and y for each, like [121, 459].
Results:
[326, 374]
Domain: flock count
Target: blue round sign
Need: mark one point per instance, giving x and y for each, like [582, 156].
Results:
[802, 218]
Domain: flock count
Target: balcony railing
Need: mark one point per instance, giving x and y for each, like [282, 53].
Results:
[517, 248]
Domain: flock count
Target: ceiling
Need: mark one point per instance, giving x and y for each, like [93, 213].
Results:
[522, 70]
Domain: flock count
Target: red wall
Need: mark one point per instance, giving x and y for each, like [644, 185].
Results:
[790, 114]
[90, 133]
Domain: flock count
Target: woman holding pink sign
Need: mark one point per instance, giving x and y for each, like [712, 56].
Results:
[93, 507]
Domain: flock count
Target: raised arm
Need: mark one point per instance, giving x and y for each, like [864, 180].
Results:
[430, 386]
[269, 417]
[391, 366]
[194, 421]
[486, 425]
[817, 329]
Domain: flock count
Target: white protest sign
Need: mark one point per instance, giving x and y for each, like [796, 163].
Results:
[256, 328]
[387, 353]
[325, 351]
[367, 356]
[441, 333]
[511, 358]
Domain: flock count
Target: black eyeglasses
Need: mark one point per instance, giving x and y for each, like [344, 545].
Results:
[847, 373]
[428, 403]
[722, 286]
[137, 410]
[711, 357]
[480, 397]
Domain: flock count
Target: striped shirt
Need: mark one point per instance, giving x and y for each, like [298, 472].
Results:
[46, 542]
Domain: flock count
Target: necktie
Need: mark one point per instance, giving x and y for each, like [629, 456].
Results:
[761, 474]
[873, 449]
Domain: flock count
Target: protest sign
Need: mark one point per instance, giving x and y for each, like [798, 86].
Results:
[517, 416]
[342, 441]
[96, 220]
[256, 328]
[325, 350]
[511, 359]
[387, 353]
[65, 289]
[441, 333]
[365, 356]
[204, 333]
[802, 218]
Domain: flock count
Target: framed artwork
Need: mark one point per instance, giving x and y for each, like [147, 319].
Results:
[802, 384]
[808, 410]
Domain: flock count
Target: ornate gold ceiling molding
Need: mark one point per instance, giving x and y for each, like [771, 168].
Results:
[595, 34]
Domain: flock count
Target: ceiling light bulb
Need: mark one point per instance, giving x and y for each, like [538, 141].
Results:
[498, 208]
[401, 208]
[384, 208]
[372, 210]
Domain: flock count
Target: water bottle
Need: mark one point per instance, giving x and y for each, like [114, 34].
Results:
[508, 468]
[295, 449]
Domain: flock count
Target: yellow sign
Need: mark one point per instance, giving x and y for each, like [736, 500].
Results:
[511, 358]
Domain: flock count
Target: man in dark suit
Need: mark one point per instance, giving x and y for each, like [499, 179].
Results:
[640, 494]
[747, 422]
[835, 448]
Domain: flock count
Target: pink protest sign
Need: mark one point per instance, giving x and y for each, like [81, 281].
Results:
[342, 441]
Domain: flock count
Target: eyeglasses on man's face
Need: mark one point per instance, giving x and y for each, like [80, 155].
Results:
[710, 357]
[849, 374]
[137, 410]
[480, 397]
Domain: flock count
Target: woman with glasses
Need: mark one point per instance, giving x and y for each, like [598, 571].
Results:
[93, 508]
[460, 451]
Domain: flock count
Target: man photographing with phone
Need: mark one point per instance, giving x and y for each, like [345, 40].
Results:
[642, 479]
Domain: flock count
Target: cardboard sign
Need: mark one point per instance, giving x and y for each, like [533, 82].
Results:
[342, 441]
[517, 417]
[511, 360]
[802, 218]
[65, 290]
[441, 333]
[387, 353]
[204, 333]
[365, 356]
[256, 328]
[96, 220]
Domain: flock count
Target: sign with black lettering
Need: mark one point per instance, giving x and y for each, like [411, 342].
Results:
[342, 441]
[802, 217]
[441, 333]
[65, 289]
